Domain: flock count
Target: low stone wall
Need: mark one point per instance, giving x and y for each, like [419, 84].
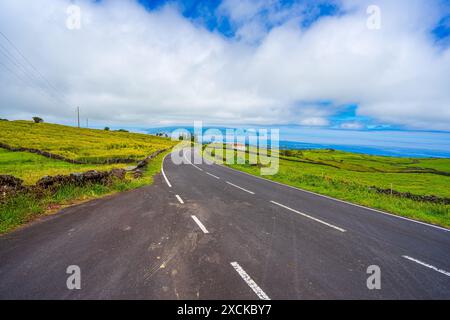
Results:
[11, 186]
[138, 169]
[415, 197]
[62, 158]
[40, 152]
[80, 179]
[144, 163]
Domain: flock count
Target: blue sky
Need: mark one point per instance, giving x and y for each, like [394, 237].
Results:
[310, 63]
[205, 12]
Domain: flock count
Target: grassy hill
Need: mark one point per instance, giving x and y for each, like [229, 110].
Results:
[84, 145]
[418, 176]
[367, 180]
[358, 178]
[31, 167]
[91, 150]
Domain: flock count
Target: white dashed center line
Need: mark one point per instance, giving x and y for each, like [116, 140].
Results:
[179, 199]
[308, 216]
[189, 161]
[200, 224]
[212, 175]
[252, 284]
[232, 184]
[428, 265]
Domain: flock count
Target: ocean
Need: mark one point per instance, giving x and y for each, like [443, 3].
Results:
[417, 144]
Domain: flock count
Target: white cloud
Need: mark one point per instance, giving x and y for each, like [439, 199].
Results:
[252, 18]
[353, 125]
[314, 122]
[133, 66]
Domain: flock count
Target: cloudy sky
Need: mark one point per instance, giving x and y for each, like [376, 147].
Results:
[328, 64]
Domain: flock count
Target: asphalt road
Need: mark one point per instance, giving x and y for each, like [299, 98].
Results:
[210, 232]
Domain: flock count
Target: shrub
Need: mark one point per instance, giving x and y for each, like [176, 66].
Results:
[106, 129]
[38, 120]
[287, 153]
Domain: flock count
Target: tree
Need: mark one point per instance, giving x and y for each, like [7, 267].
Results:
[106, 128]
[38, 120]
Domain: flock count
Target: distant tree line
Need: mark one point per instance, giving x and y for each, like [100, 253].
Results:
[161, 134]
[120, 130]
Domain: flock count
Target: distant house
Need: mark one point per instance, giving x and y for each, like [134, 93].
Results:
[239, 146]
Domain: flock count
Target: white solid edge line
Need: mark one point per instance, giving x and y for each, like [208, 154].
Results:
[428, 265]
[338, 200]
[192, 163]
[212, 175]
[179, 199]
[198, 222]
[163, 173]
[232, 184]
[252, 284]
[308, 216]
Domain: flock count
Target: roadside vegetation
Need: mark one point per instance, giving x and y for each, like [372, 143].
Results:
[79, 144]
[95, 148]
[26, 207]
[31, 167]
[385, 183]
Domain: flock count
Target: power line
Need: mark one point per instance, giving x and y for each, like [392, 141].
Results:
[32, 80]
[35, 75]
[25, 77]
[29, 62]
[15, 74]
[9, 57]
[27, 81]
[4, 51]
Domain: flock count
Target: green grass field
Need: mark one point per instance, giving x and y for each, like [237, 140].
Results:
[342, 175]
[87, 145]
[31, 167]
[418, 176]
[25, 208]
[349, 176]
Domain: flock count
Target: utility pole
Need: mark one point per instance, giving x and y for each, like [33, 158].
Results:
[78, 112]
[87, 122]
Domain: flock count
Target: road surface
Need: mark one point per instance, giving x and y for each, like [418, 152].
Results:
[210, 232]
